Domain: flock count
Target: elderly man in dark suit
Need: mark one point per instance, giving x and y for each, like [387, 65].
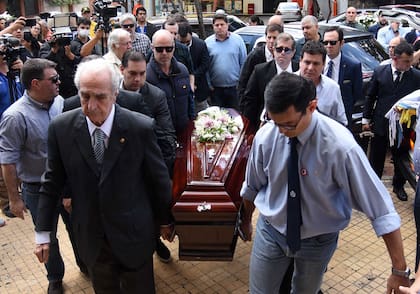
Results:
[110, 159]
[389, 83]
[345, 71]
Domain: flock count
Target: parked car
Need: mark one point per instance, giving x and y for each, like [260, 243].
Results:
[289, 11]
[359, 45]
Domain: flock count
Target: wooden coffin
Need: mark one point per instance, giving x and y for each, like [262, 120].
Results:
[206, 184]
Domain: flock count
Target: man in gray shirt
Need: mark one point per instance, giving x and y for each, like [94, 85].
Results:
[331, 175]
[23, 149]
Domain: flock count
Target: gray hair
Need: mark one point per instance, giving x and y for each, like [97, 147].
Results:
[311, 19]
[115, 36]
[127, 16]
[98, 66]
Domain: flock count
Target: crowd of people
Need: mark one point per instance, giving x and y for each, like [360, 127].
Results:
[70, 147]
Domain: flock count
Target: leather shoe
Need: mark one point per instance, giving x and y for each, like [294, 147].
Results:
[55, 287]
[7, 212]
[162, 251]
[401, 194]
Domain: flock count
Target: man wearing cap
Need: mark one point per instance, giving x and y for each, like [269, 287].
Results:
[87, 14]
[382, 21]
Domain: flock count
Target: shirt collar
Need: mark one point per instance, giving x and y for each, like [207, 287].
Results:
[268, 55]
[336, 60]
[105, 127]
[219, 40]
[307, 133]
[40, 105]
[280, 70]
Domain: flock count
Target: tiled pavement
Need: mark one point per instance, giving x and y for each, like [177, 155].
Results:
[360, 264]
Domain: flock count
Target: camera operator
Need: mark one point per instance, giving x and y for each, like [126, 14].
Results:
[82, 45]
[58, 50]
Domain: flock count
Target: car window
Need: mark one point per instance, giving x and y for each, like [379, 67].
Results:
[367, 51]
[290, 5]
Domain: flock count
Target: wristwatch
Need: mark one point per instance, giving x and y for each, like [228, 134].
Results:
[405, 274]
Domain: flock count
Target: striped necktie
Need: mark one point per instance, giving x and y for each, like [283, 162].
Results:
[99, 145]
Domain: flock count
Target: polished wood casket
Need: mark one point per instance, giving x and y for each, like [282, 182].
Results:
[206, 184]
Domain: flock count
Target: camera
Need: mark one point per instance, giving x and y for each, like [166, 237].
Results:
[104, 12]
[11, 50]
[30, 22]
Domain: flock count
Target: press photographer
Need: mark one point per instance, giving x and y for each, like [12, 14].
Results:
[104, 12]
[10, 65]
[58, 50]
[82, 45]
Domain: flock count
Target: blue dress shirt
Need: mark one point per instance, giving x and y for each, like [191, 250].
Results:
[335, 176]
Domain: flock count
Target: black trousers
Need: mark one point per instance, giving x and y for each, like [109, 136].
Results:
[378, 148]
[109, 276]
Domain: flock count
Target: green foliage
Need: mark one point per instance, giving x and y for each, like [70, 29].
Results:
[63, 2]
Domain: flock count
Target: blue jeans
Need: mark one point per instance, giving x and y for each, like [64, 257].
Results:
[55, 264]
[271, 257]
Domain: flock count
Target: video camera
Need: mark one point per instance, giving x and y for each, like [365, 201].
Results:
[64, 27]
[11, 50]
[104, 12]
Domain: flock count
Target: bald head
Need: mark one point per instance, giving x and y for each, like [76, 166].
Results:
[275, 19]
[162, 36]
[393, 43]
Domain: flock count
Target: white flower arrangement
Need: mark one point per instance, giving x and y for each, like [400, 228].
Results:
[215, 124]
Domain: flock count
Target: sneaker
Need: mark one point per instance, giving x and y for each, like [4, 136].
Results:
[162, 251]
[2, 222]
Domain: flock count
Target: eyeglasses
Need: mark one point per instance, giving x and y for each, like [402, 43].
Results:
[126, 26]
[281, 49]
[332, 43]
[168, 49]
[290, 127]
[53, 79]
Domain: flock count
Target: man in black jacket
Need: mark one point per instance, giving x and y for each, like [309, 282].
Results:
[389, 83]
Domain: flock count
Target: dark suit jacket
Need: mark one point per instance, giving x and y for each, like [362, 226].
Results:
[155, 99]
[119, 202]
[256, 56]
[165, 131]
[385, 94]
[201, 61]
[350, 80]
[252, 103]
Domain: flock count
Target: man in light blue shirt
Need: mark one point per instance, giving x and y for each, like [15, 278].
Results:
[335, 176]
[227, 55]
[389, 32]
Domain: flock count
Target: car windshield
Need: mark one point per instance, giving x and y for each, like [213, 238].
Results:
[366, 52]
[288, 6]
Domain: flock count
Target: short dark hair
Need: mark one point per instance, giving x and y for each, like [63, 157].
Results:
[83, 20]
[34, 69]
[220, 16]
[132, 55]
[141, 8]
[336, 29]
[256, 19]
[314, 48]
[184, 29]
[274, 28]
[403, 47]
[288, 89]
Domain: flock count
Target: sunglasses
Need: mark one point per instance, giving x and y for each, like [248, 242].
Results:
[332, 43]
[53, 79]
[281, 49]
[168, 49]
[126, 26]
